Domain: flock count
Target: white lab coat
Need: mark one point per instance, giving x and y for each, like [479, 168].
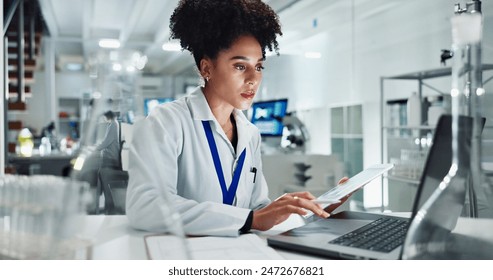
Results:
[170, 160]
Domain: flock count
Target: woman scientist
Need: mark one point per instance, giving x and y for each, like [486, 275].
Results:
[200, 151]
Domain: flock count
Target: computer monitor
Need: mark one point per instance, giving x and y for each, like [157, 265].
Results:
[150, 103]
[268, 115]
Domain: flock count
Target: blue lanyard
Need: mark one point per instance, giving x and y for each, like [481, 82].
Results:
[228, 194]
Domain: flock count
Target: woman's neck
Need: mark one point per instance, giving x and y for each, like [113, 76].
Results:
[220, 109]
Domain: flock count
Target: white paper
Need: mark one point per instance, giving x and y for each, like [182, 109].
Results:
[244, 247]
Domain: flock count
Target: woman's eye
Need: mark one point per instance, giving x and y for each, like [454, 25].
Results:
[259, 68]
[240, 67]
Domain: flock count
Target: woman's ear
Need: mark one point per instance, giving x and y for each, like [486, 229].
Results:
[206, 68]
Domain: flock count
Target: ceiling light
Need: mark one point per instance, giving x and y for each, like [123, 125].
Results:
[141, 62]
[109, 43]
[138, 60]
[172, 47]
[130, 69]
[313, 55]
[117, 67]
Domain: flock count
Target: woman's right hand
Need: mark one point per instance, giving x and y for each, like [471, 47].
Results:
[280, 209]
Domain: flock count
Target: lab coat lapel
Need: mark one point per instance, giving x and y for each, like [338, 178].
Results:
[243, 130]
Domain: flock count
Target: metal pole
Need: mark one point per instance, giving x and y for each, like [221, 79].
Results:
[3, 103]
[382, 134]
[20, 53]
[49, 54]
[32, 22]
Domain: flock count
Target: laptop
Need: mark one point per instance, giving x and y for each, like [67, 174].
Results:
[340, 235]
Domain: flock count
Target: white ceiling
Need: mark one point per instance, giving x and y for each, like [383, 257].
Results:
[77, 25]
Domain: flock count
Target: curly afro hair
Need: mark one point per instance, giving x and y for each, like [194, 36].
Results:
[205, 27]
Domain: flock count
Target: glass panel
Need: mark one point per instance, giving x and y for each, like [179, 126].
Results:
[337, 120]
[347, 140]
[354, 120]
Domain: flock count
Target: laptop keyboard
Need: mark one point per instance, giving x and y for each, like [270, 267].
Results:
[382, 235]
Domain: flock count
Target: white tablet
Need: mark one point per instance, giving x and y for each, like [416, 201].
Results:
[335, 194]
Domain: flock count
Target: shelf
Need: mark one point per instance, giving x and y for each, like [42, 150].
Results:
[69, 120]
[403, 179]
[422, 127]
[347, 136]
[434, 73]
[397, 137]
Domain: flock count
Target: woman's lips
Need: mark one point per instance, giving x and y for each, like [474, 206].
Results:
[248, 95]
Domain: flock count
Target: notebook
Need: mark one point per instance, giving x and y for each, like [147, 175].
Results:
[337, 236]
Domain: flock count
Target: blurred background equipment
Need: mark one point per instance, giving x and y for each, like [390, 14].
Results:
[295, 134]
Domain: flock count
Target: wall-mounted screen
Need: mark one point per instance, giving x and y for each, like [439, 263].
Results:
[267, 116]
[150, 103]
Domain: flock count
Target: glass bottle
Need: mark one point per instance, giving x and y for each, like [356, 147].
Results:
[45, 146]
[480, 202]
[26, 143]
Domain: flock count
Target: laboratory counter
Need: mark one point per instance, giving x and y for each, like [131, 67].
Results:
[112, 237]
[54, 164]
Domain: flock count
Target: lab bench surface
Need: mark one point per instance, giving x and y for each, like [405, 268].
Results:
[112, 237]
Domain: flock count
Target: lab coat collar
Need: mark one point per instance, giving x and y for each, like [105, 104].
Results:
[199, 106]
[201, 111]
